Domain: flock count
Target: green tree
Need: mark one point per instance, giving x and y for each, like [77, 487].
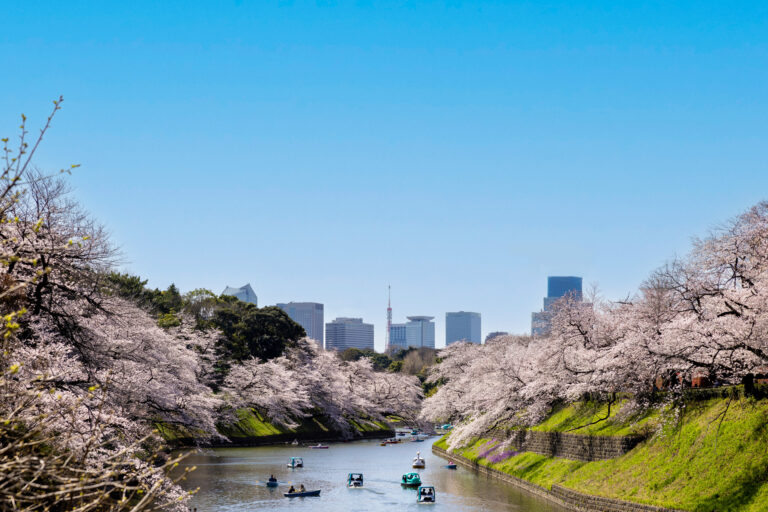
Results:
[168, 320]
[351, 354]
[250, 331]
[168, 301]
[380, 362]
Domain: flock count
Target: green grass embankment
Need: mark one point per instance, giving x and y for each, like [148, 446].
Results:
[593, 418]
[695, 463]
[251, 427]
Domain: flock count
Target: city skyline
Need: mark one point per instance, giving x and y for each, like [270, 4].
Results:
[460, 153]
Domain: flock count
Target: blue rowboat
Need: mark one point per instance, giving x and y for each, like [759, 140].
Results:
[301, 494]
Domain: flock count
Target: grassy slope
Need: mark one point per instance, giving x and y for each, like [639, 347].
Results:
[567, 418]
[690, 466]
[250, 424]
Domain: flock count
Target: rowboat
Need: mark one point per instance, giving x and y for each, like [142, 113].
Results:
[450, 465]
[301, 494]
[319, 447]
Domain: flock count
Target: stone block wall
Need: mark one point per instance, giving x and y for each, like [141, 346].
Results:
[573, 446]
[575, 500]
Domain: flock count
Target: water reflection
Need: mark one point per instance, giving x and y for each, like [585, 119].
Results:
[234, 479]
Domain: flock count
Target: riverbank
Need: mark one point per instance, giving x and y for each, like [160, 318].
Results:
[252, 429]
[711, 456]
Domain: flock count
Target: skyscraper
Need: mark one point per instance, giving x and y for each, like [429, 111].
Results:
[420, 332]
[557, 288]
[344, 333]
[309, 315]
[387, 334]
[560, 286]
[245, 293]
[462, 326]
[397, 337]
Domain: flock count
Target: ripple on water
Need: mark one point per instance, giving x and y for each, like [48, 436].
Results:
[232, 480]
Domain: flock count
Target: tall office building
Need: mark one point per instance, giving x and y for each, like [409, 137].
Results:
[344, 333]
[397, 338]
[462, 326]
[309, 315]
[420, 332]
[557, 288]
[245, 293]
[560, 286]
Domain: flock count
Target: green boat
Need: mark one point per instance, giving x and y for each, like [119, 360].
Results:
[426, 494]
[410, 480]
[355, 480]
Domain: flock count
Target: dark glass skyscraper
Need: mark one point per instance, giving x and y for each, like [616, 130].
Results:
[557, 288]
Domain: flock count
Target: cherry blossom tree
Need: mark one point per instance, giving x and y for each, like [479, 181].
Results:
[308, 379]
[707, 312]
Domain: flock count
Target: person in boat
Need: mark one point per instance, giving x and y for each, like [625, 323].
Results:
[272, 478]
[291, 490]
[302, 488]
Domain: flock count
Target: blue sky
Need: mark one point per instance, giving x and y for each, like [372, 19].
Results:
[459, 151]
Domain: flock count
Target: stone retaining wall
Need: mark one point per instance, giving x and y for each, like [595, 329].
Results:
[575, 500]
[566, 498]
[573, 446]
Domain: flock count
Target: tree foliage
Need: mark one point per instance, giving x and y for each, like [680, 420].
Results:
[91, 359]
[308, 378]
[249, 331]
[706, 314]
[380, 362]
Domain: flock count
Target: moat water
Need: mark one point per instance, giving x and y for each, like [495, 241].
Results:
[233, 479]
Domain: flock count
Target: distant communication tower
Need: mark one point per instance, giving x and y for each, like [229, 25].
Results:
[389, 318]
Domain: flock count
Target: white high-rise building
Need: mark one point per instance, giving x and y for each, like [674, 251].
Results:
[462, 326]
[309, 315]
[420, 332]
[245, 293]
[344, 333]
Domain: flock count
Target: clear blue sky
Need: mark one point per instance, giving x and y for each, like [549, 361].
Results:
[461, 152]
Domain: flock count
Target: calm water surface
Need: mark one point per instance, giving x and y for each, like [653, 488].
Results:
[232, 479]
